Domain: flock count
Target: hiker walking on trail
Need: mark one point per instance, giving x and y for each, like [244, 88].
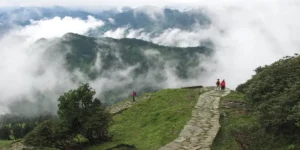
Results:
[133, 96]
[223, 85]
[218, 84]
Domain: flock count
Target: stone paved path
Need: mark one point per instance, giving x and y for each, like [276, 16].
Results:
[201, 129]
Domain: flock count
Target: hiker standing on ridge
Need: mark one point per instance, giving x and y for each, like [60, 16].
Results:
[218, 84]
[223, 85]
[133, 96]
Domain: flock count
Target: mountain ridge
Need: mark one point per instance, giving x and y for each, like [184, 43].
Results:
[114, 66]
[150, 19]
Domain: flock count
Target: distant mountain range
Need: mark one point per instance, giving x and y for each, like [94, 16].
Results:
[81, 53]
[147, 59]
[23, 15]
[114, 66]
[150, 19]
[154, 20]
[9, 18]
[120, 64]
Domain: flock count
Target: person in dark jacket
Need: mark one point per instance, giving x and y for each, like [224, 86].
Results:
[218, 84]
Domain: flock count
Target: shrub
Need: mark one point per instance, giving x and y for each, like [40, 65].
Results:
[4, 132]
[274, 93]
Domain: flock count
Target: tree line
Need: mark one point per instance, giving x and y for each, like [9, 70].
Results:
[81, 119]
[17, 126]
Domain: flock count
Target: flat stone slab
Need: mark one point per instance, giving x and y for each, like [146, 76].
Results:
[202, 128]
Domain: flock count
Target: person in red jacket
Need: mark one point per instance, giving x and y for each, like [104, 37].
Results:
[223, 85]
[133, 96]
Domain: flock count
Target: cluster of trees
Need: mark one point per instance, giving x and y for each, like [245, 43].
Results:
[15, 131]
[81, 119]
[16, 126]
[274, 98]
[8, 119]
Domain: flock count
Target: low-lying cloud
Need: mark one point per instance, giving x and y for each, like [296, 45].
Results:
[24, 70]
[245, 35]
[57, 27]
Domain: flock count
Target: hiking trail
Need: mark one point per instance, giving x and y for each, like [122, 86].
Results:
[202, 128]
[126, 104]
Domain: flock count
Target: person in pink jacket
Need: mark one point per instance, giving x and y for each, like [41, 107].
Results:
[223, 85]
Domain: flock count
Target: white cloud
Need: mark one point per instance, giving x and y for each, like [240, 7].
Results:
[111, 20]
[57, 27]
[20, 63]
[254, 35]
[91, 3]
[153, 12]
[151, 52]
[118, 33]
[246, 34]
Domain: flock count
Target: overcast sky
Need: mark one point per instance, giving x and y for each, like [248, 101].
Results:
[91, 2]
[134, 3]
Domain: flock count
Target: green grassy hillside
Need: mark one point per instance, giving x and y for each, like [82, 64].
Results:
[264, 113]
[154, 122]
[5, 144]
[233, 115]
